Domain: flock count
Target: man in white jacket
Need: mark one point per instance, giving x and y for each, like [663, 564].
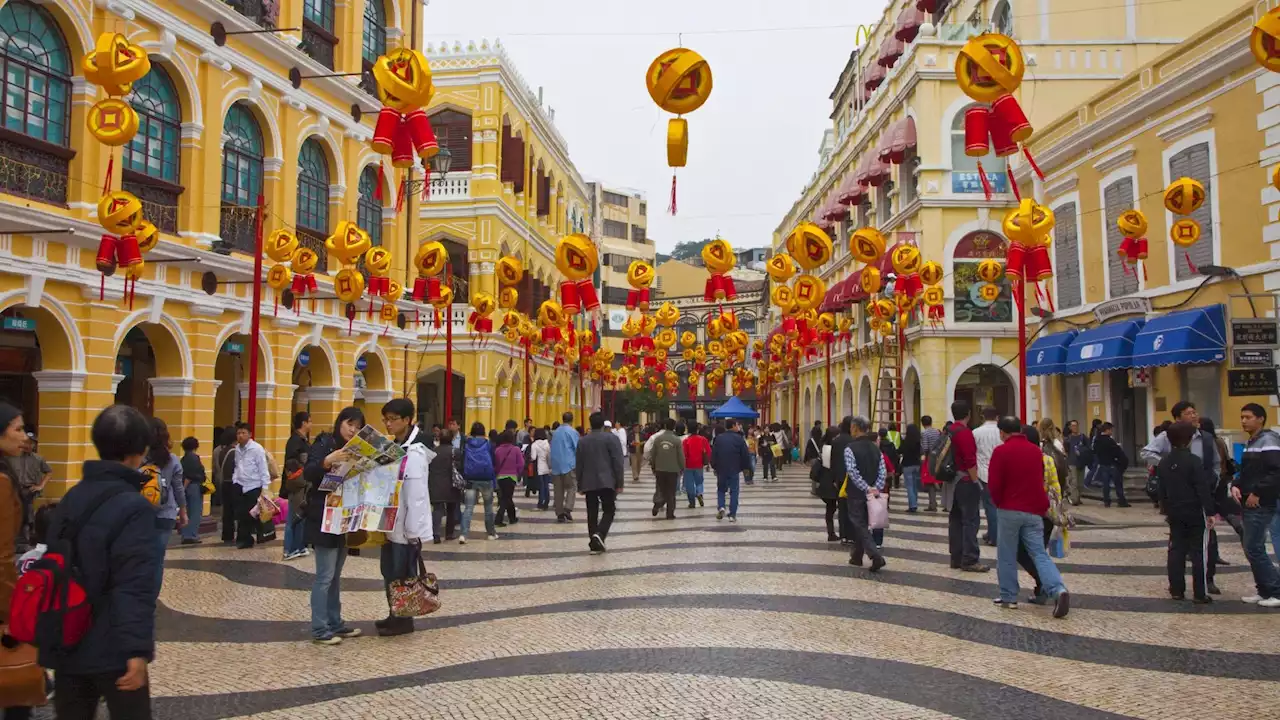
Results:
[413, 521]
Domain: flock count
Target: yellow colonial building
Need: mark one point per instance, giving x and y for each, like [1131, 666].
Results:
[895, 159]
[1127, 341]
[221, 126]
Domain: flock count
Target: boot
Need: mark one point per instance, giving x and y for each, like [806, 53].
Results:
[396, 626]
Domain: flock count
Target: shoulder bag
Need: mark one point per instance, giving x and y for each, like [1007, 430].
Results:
[416, 596]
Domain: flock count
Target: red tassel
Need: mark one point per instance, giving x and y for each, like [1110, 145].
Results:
[400, 193]
[986, 184]
[275, 308]
[426, 187]
[382, 178]
[1144, 271]
[1032, 161]
[1013, 184]
[102, 289]
[1190, 264]
[350, 321]
[106, 182]
[672, 208]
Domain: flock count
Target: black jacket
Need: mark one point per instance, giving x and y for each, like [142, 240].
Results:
[868, 454]
[1183, 485]
[1260, 468]
[729, 454]
[1108, 452]
[891, 451]
[909, 453]
[838, 470]
[599, 462]
[440, 475]
[313, 473]
[116, 554]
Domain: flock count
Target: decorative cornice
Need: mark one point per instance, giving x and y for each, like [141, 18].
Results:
[171, 386]
[1119, 158]
[1185, 125]
[59, 380]
[1061, 186]
[324, 393]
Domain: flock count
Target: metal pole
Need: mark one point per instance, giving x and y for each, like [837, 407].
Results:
[902, 344]
[527, 412]
[1020, 288]
[255, 328]
[826, 390]
[448, 349]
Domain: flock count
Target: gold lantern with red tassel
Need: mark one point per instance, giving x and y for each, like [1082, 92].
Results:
[1133, 249]
[403, 77]
[679, 81]
[640, 276]
[719, 259]
[989, 69]
[577, 259]
[482, 306]
[120, 214]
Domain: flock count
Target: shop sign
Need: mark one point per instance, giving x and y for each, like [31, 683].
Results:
[1095, 392]
[20, 324]
[1261, 381]
[304, 358]
[361, 363]
[1122, 306]
[1254, 333]
[233, 348]
[1253, 358]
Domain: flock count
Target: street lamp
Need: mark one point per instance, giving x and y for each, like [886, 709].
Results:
[441, 161]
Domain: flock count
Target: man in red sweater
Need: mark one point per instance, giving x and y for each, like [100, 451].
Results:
[1016, 480]
[962, 494]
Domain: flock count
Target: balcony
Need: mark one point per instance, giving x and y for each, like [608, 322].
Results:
[318, 43]
[237, 229]
[452, 188]
[33, 172]
[263, 12]
[159, 199]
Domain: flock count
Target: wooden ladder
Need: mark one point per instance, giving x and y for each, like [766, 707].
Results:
[888, 399]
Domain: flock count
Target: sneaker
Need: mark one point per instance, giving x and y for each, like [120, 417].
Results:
[331, 640]
[561, 519]
[975, 568]
[436, 541]
[693, 506]
[832, 538]
[568, 517]
[294, 555]
[1062, 604]
[733, 518]
[462, 539]
[876, 564]
[1006, 604]
[1252, 599]
[700, 503]
[912, 510]
[720, 514]
[493, 536]
[1039, 599]
[855, 563]
[190, 541]
[596, 544]
[1273, 602]
[499, 524]
[348, 633]
[1178, 596]
[1123, 504]
[1202, 601]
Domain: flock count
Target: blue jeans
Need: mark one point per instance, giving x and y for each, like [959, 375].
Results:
[911, 474]
[1256, 522]
[728, 484]
[195, 509]
[295, 535]
[1091, 475]
[1021, 528]
[1110, 475]
[162, 543]
[544, 491]
[326, 596]
[993, 516]
[1275, 532]
[693, 480]
[475, 491]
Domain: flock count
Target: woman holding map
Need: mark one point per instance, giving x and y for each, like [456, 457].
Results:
[327, 627]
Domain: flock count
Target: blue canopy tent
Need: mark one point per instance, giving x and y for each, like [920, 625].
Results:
[735, 408]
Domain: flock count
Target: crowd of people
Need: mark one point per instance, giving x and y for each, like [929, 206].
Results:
[115, 525]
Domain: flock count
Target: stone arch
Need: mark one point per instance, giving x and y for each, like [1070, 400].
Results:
[377, 375]
[332, 152]
[80, 38]
[807, 407]
[192, 110]
[271, 136]
[60, 350]
[846, 399]
[865, 391]
[165, 335]
[1001, 363]
[323, 367]
[910, 388]
[266, 356]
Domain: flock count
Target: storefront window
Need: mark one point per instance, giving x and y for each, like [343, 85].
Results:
[969, 306]
[1202, 385]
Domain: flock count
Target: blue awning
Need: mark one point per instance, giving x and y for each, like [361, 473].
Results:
[1103, 348]
[1190, 336]
[1048, 354]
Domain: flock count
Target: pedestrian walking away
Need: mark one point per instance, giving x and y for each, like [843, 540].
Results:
[668, 462]
[697, 458]
[478, 470]
[930, 438]
[729, 458]
[509, 466]
[1184, 490]
[866, 476]
[599, 470]
[445, 491]
[826, 485]
[910, 453]
[1112, 462]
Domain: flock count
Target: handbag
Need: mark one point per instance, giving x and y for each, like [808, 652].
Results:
[22, 680]
[416, 596]
[777, 450]
[459, 482]
[266, 508]
[1058, 543]
[878, 512]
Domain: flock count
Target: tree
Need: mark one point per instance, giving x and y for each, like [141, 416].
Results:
[688, 249]
[630, 403]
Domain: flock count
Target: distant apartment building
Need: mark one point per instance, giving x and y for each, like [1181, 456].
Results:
[619, 225]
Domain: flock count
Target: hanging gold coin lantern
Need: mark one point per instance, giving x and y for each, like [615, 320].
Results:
[667, 315]
[931, 273]
[679, 81]
[1264, 41]
[989, 69]
[112, 122]
[989, 292]
[1028, 229]
[279, 278]
[870, 281]
[719, 259]
[809, 245]
[1185, 232]
[934, 302]
[279, 245]
[1184, 196]
[429, 261]
[347, 243]
[809, 290]
[990, 271]
[508, 298]
[782, 268]
[640, 276]
[867, 245]
[1133, 249]
[577, 259]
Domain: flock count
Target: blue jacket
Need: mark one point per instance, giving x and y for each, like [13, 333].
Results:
[729, 454]
[564, 450]
[116, 554]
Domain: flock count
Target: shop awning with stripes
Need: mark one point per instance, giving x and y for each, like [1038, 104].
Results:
[1107, 347]
[1048, 354]
[1198, 335]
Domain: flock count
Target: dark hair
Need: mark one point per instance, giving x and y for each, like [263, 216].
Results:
[477, 429]
[1180, 433]
[539, 434]
[1181, 407]
[446, 436]
[529, 420]
[1009, 424]
[348, 413]
[160, 453]
[555, 424]
[511, 425]
[1256, 409]
[399, 407]
[506, 437]
[40, 523]
[190, 444]
[926, 420]
[884, 434]
[680, 428]
[436, 426]
[669, 424]
[596, 420]
[299, 418]
[1031, 432]
[493, 435]
[119, 432]
[566, 418]
[244, 426]
[228, 437]
[990, 413]
[832, 433]
[912, 435]
[846, 424]
[1105, 427]
[960, 410]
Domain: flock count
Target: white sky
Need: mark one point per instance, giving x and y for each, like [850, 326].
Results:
[753, 145]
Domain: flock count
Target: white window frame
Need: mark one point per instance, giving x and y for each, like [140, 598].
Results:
[1128, 171]
[1073, 197]
[1171, 250]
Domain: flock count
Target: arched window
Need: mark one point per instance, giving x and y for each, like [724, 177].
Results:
[969, 304]
[1002, 18]
[151, 158]
[964, 169]
[453, 131]
[374, 42]
[368, 207]
[242, 150]
[313, 189]
[318, 39]
[37, 101]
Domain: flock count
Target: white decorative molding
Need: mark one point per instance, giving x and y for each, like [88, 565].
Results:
[378, 396]
[35, 290]
[214, 58]
[192, 130]
[115, 383]
[59, 380]
[265, 389]
[336, 192]
[502, 392]
[324, 393]
[272, 164]
[255, 88]
[171, 386]
[1185, 125]
[1061, 186]
[116, 8]
[204, 241]
[205, 309]
[1119, 158]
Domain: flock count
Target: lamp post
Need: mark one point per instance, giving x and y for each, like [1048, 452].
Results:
[440, 163]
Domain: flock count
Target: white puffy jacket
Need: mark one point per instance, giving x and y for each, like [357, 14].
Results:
[413, 522]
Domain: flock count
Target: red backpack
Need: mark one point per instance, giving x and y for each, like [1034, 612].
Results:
[50, 607]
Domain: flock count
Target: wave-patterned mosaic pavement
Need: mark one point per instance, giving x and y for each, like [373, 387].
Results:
[696, 618]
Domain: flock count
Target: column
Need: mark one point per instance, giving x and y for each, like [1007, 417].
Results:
[64, 426]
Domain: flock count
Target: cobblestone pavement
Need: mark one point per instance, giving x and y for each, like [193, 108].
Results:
[697, 618]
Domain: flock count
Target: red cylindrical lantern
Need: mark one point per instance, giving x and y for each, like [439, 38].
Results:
[976, 120]
[1007, 110]
[424, 138]
[402, 147]
[1002, 142]
[384, 131]
[106, 261]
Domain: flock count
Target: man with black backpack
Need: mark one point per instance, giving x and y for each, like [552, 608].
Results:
[104, 530]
